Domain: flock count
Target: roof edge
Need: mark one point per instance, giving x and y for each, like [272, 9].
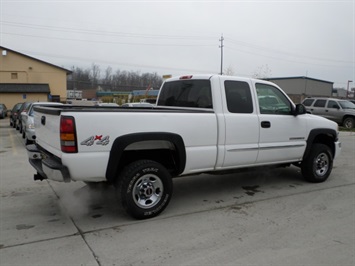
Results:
[39, 60]
[298, 77]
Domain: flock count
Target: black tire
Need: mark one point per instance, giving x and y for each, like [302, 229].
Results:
[349, 122]
[144, 188]
[27, 141]
[23, 134]
[317, 166]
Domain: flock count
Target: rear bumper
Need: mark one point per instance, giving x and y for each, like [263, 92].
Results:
[47, 166]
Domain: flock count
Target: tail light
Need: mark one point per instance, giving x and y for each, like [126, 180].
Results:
[68, 135]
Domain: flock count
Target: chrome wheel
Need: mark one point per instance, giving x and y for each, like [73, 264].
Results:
[318, 164]
[321, 164]
[148, 191]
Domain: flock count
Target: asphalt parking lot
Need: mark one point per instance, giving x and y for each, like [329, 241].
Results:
[255, 218]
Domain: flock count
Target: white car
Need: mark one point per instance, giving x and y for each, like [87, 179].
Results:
[28, 128]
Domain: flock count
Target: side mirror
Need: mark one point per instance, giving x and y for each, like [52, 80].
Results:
[299, 110]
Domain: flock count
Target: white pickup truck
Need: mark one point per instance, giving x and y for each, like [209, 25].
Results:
[201, 124]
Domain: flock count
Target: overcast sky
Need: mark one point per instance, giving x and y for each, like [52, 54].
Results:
[283, 38]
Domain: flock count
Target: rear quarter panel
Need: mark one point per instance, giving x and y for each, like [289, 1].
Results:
[197, 129]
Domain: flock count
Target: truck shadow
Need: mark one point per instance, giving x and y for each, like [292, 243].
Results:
[191, 194]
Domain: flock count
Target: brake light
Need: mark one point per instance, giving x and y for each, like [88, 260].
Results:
[68, 135]
[186, 77]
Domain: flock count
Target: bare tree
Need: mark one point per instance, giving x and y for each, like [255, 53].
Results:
[262, 72]
[229, 71]
[95, 74]
[108, 76]
[90, 78]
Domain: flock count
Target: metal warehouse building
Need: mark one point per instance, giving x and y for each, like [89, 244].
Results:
[298, 88]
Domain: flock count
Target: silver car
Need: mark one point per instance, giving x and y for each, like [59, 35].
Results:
[337, 110]
[27, 120]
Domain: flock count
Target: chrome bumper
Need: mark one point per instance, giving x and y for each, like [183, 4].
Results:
[337, 150]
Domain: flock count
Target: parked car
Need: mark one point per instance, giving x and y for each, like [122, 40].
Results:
[27, 121]
[337, 110]
[14, 113]
[353, 101]
[137, 104]
[3, 110]
[24, 108]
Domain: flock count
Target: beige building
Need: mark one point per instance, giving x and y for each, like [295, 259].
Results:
[24, 78]
[298, 88]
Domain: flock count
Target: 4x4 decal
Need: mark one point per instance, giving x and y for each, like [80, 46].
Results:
[100, 140]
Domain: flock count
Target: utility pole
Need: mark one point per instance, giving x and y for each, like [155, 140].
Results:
[347, 89]
[221, 46]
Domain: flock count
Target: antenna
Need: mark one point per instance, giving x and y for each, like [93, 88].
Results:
[221, 46]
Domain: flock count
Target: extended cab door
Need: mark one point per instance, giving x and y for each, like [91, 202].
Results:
[282, 135]
[241, 123]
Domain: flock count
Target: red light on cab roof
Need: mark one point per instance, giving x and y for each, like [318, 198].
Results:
[186, 77]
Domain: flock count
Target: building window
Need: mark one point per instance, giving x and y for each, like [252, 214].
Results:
[14, 76]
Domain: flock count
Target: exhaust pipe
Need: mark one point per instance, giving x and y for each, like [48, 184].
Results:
[38, 177]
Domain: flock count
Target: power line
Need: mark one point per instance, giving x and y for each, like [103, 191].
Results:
[109, 42]
[105, 33]
[289, 60]
[278, 51]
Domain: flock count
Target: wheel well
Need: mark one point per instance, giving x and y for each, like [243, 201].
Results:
[348, 116]
[163, 152]
[326, 140]
[168, 149]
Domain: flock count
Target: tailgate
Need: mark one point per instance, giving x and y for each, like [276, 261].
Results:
[47, 127]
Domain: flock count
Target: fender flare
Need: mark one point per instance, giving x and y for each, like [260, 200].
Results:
[120, 144]
[316, 132]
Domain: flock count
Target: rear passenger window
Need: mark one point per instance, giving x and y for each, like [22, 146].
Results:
[308, 102]
[320, 103]
[238, 97]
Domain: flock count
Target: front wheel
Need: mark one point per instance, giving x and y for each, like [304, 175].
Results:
[317, 166]
[349, 122]
[144, 188]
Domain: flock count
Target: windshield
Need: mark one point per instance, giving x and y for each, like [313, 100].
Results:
[347, 105]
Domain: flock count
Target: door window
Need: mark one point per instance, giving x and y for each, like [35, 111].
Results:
[238, 97]
[333, 104]
[272, 100]
[320, 103]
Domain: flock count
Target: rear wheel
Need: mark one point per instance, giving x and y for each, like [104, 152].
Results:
[144, 188]
[317, 166]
